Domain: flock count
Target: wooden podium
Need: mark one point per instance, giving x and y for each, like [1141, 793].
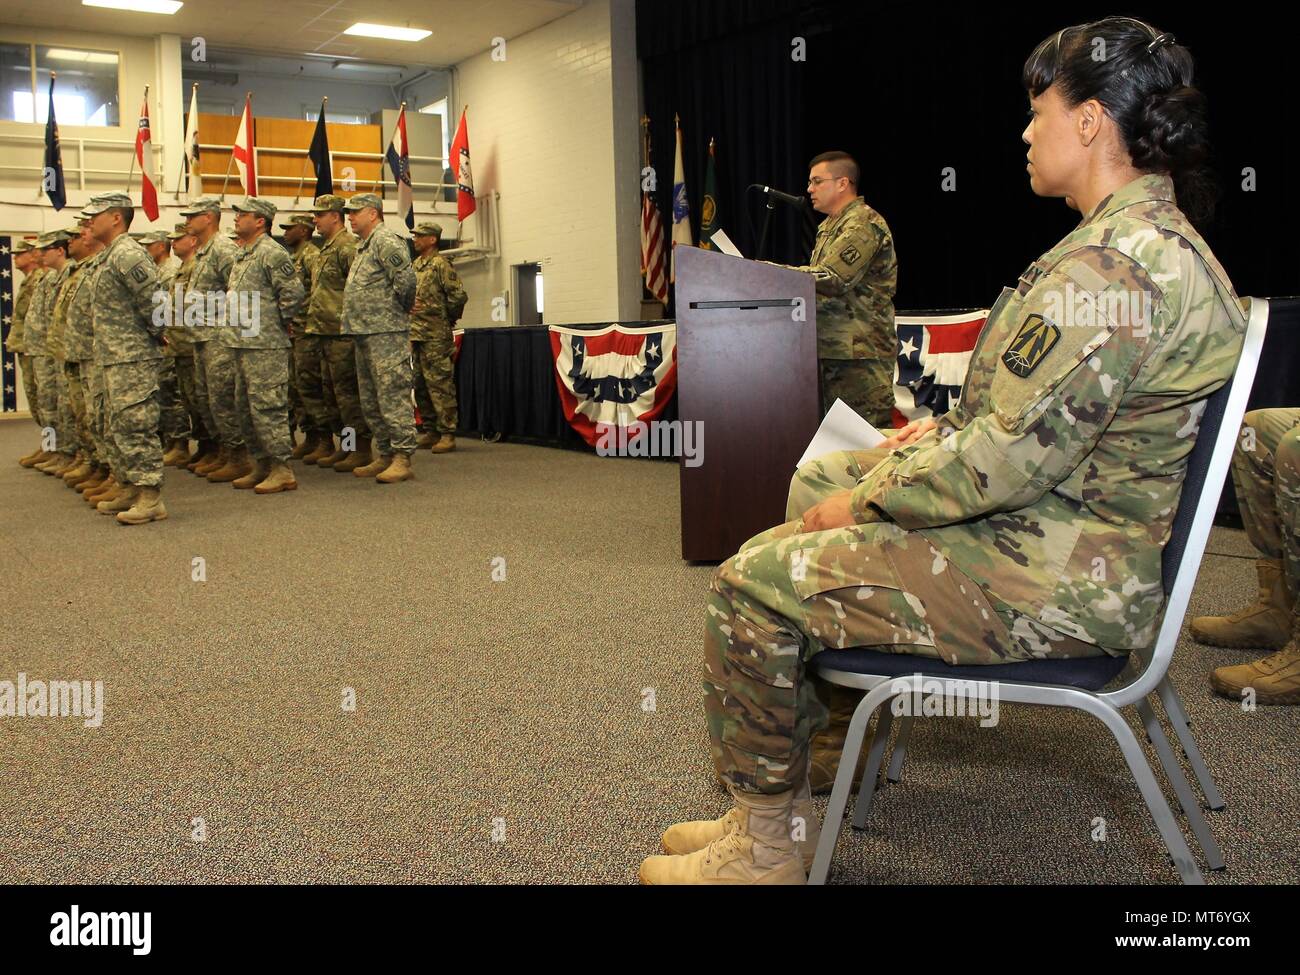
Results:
[746, 370]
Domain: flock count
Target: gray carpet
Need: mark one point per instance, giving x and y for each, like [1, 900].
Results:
[482, 706]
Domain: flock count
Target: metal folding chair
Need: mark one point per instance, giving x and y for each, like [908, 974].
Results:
[1075, 683]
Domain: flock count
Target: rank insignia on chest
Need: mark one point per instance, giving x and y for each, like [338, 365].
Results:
[850, 255]
[1035, 339]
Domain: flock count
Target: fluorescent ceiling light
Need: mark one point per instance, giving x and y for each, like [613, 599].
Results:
[139, 6]
[93, 57]
[389, 33]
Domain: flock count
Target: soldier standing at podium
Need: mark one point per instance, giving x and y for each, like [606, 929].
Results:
[856, 272]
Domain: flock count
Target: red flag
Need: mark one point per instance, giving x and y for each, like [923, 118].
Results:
[465, 202]
[144, 156]
[243, 149]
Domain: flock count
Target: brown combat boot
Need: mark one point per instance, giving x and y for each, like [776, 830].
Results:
[51, 461]
[1266, 625]
[238, 463]
[251, 479]
[147, 507]
[60, 467]
[828, 744]
[1275, 679]
[357, 458]
[323, 451]
[215, 460]
[398, 470]
[121, 501]
[79, 474]
[205, 452]
[446, 444]
[97, 477]
[177, 453]
[279, 478]
[424, 441]
[309, 443]
[105, 491]
[375, 467]
[33, 458]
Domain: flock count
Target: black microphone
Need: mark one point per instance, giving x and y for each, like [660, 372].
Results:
[794, 201]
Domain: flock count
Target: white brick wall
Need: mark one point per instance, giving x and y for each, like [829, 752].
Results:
[551, 130]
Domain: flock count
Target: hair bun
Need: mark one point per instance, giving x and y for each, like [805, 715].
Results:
[1172, 131]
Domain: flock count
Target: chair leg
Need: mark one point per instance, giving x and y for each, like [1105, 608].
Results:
[1175, 843]
[900, 749]
[1182, 788]
[1178, 721]
[871, 773]
[844, 783]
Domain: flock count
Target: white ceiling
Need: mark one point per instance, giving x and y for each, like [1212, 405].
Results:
[296, 27]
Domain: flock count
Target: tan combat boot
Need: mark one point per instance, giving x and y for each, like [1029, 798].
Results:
[177, 453]
[322, 451]
[354, 459]
[64, 464]
[147, 507]
[278, 478]
[446, 443]
[375, 467]
[398, 470]
[204, 454]
[238, 464]
[105, 491]
[97, 477]
[805, 829]
[220, 458]
[310, 441]
[121, 501]
[760, 851]
[424, 441]
[51, 461]
[1275, 679]
[80, 474]
[76, 468]
[828, 744]
[1266, 625]
[253, 477]
[30, 459]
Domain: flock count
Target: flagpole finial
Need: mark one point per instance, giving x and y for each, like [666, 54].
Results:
[324, 99]
[53, 75]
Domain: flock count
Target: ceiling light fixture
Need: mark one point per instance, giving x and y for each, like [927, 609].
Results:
[388, 33]
[93, 57]
[137, 6]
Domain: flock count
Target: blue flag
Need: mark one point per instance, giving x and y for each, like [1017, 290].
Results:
[52, 176]
[319, 153]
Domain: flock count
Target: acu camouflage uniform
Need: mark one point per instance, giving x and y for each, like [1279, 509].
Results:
[128, 349]
[856, 275]
[79, 346]
[15, 344]
[70, 441]
[1029, 524]
[305, 257]
[337, 399]
[261, 353]
[214, 361]
[1267, 480]
[379, 296]
[439, 300]
[40, 316]
[181, 350]
[174, 419]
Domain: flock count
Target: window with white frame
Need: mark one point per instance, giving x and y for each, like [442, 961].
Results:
[85, 89]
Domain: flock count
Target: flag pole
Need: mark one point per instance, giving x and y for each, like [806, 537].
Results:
[302, 179]
[375, 185]
[131, 170]
[230, 163]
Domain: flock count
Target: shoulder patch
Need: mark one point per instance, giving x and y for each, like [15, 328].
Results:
[287, 268]
[395, 260]
[1035, 339]
[850, 255]
[139, 274]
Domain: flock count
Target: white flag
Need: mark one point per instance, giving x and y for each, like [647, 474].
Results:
[681, 207]
[194, 181]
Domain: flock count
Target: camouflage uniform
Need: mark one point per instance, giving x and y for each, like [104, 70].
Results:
[15, 344]
[128, 349]
[1029, 524]
[378, 298]
[214, 362]
[439, 301]
[856, 274]
[70, 441]
[337, 399]
[261, 353]
[36, 331]
[174, 419]
[80, 350]
[305, 258]
[180, 349]
[1267, 480]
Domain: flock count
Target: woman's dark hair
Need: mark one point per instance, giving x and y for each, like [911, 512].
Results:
[1143, 78]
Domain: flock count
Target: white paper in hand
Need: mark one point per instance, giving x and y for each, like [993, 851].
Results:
[722, 242]
[843, 429]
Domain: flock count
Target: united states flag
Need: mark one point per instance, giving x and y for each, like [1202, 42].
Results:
[934, 352]
[8, 289]
[652, 249]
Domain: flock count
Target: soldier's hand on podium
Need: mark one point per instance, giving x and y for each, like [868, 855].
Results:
[909, 434]
[834, 512]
